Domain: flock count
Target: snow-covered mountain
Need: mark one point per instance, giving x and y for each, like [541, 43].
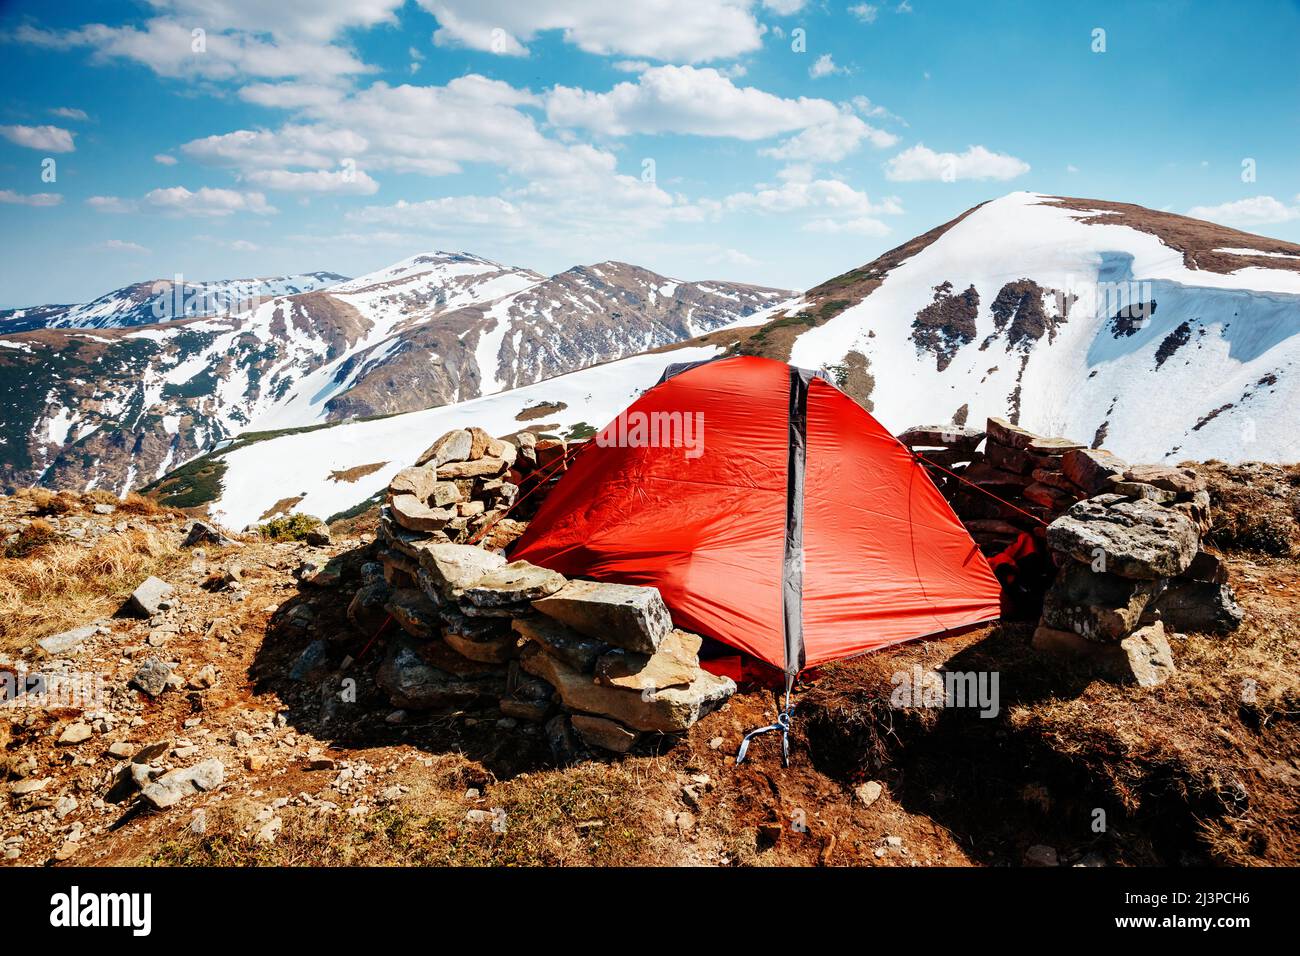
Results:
[329, 470]
[163, 300]
[116, 407]
[1160, 337]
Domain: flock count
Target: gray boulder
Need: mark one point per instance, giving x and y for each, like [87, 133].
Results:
[175, 785]
[1202, 607]
[200, 532]
[576, 650]
[454, 567]
[147, 598]
[455, 445]
[1090, 468]
[671, 710]
[1134, 539]
[624, 615]
[151, 676]
[1101, 607]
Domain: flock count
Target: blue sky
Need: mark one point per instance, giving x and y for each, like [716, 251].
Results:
[699, 138]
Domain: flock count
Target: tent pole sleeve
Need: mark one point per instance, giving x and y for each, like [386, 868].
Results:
[792, 565]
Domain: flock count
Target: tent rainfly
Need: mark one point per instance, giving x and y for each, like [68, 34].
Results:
[772, 512]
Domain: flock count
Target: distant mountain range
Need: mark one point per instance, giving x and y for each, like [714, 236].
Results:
[1160, 337]
[163, 300]
[105, 395]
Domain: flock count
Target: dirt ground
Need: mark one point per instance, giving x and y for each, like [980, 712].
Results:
[321, 770]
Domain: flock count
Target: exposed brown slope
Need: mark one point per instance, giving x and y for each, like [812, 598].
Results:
[1196, 239]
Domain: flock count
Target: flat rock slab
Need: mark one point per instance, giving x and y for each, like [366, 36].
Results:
[604, 733]
[675, 664]
[147, 598]
[1135, 539]
[1101, 607]
[414, 515]
[624, 615]
[487, 640]
[1090, 468]
[175, 785]
[473, 469]
[1181, 481]
[454, 567]
[576, 650]
[455, 445]
[514, 582]
[69, 640]
[672, 710]
[200, 532]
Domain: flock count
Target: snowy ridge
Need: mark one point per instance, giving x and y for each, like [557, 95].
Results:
[1210, 370]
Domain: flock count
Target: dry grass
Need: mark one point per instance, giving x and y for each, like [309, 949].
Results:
[134, 504]
[593, 814]
[61, 584]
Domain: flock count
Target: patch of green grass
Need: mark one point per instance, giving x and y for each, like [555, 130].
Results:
[580, 432]
[292, 527]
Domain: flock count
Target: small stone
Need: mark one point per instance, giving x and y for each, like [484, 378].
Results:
[147, 598]
[716, 743]
[200, 532]
[893, 842]
[255, 762]
[205, 677]
[270, 830]
[64, 805]
[604, 733]
[75, 734]
[319, 536]
[152, 676]
[121, 749]
[24, 788]
[869, 792]
[1040, 855]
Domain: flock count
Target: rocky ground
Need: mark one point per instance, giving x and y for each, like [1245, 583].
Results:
[241, 723]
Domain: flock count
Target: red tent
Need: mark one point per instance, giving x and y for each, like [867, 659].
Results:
[772, 512]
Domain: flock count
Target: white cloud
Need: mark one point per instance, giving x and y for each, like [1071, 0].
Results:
[311, 19]
[827, 205]
[69, 112]
[903, 7]
[234, 245]
[206, 201]
[865, 12]
[29, 199]
[688, 31]
[163, 159]
[167, 47]
[919, 163]
[865, 226]
[179, 201]
[1071, 168]
[685, 99]
[463, 210]
[110, 204]
[121, 245]
[290, 95]
[832, 141]
[52, 139]
[1255, 211]
[313, 146]
[825, 65]
[345, 181]
[784, 8]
